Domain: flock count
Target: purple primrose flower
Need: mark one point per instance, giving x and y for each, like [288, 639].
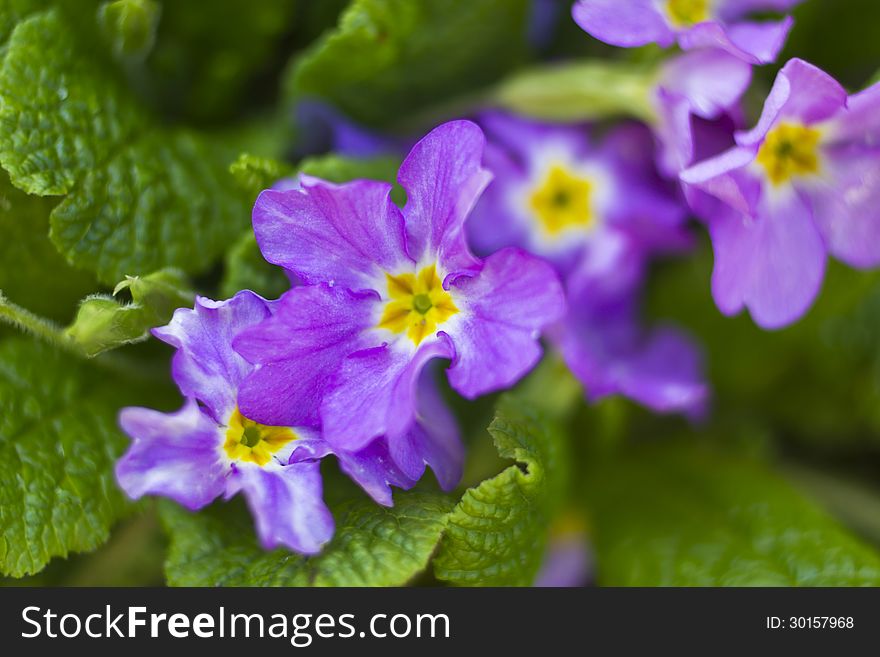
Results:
[210, 449]
[693, 24]
[386, 291]
[804, 183]
[598, 213]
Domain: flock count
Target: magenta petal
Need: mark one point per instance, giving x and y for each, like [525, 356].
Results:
[726, 177]
[344, 234]
[299, 350]
[505, 307]
[625, 24]
[860, 122]
[443, 179]
[773, 264]
[433, 440]
[374, 394]
[287, 506]
[754, 43]
[205, 365]
[802, 93]
[847, 206]
[177, 455]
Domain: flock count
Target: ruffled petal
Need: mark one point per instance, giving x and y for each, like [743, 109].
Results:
[802, 93]
[347, 235]
[726, 177]
[287, 506]
[773, 264]
[846, 205]
[298, 350]
[504, 308]
[859, 123]
[374, 394]
[711, 80]
[433, 440]
[205, 366]
[176, 455]
[754, 43]
[443, 179]
[624, 24]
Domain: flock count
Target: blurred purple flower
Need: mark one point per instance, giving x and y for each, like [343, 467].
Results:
[598, 213]
[805, 182]
[386, 292]
[693, 24]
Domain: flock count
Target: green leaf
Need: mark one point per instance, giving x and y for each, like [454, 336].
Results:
[245, 269]
[31, 269]
[674, 515]
[58, 444]
[581, 91]
[372, 546]
[389, 58]
[71, 127]
[104, 323]
[253, 173]
[130, 25]
[497, 534]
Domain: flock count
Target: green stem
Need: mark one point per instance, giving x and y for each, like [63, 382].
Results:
[26, 321]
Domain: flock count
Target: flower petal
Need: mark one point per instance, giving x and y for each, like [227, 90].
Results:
[433, 440]
[443, 179]
[725, 177]
[374, 394]
[205, 366]
[628, 24]
[711, 80]
[505, 307]
[176, 455]
[347, 235]
[801, 93]
[287, 506]
[773, 264]
[298, 350]
[754, 43]
[847, 206]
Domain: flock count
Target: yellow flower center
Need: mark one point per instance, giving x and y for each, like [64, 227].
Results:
[790, 150]
[562, 201]
[418, 304]
[255, 443]
[685, 13]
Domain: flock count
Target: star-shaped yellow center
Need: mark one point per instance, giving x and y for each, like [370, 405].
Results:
[255, 443]
[417, 304]
[790, 150]
[685, 13]
[562, 201]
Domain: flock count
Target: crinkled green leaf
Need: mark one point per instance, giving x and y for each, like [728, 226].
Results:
[372, 546]
[130, 25]
[14, 11]
[245, 266]
[388, 58]
[104, 323]
[497, 533]
[31, 270]
[139, 196]
[58, 444]
[673, 515]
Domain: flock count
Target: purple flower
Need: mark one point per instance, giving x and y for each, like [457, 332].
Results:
[696, 102]
[210, 449]
[598, 213]
[803, 183]
[386, 292]
[693, 24]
